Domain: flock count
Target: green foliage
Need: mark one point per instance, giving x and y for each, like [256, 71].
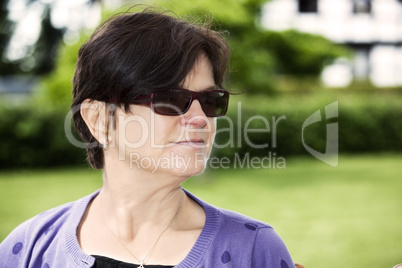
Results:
[236, 13]
[55, 89]
[367, 123]
[38, 59]
[252, 67]
[258, 55]
[299, 53]
[33, 137]
[33, 134]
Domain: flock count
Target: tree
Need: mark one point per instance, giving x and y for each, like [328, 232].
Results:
[39, 57]
[258, 54]
[6, 27]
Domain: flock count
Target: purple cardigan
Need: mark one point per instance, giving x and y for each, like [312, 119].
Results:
[228, 239]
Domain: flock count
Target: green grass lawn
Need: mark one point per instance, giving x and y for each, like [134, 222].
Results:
[349, 216]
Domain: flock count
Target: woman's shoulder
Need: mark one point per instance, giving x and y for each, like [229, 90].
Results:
[41, 230]
[246, 229]
[242, 239]
[229, 217]
[235, 219]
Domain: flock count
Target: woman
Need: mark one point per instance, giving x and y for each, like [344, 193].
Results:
[149, 87]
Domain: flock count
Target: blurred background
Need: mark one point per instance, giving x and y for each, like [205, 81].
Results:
[293, 57]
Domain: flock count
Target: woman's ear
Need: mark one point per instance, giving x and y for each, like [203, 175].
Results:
[93, 112]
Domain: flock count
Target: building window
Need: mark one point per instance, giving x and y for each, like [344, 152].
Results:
[361, 6]
[308, 6]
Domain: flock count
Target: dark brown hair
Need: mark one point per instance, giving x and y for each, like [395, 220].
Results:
[136, 53]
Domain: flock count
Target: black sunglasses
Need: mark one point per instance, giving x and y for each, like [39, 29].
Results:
[213, 102]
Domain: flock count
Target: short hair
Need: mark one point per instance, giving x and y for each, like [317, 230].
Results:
[136, 53]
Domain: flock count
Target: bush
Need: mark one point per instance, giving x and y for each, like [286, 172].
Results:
[366, 123]
[33, 137]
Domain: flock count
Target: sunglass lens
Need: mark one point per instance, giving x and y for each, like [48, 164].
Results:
[171, 102]
[214, 103]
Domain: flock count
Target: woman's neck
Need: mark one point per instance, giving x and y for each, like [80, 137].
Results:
[128, 207]
[139, 218]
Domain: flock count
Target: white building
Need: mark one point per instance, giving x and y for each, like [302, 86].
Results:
[373, 28]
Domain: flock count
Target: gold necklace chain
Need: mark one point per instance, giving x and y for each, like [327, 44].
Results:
[142, 262]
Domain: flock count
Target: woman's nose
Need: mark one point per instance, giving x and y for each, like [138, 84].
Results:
[195, 116]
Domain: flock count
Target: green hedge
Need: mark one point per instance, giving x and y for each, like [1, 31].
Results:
[367, 122]
[32, 136]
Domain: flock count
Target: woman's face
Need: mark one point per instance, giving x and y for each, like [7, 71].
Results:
[178, 145]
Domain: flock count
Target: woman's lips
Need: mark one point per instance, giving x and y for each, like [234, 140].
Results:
[193, 143]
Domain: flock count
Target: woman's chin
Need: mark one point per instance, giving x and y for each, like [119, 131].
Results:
[186, 171]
